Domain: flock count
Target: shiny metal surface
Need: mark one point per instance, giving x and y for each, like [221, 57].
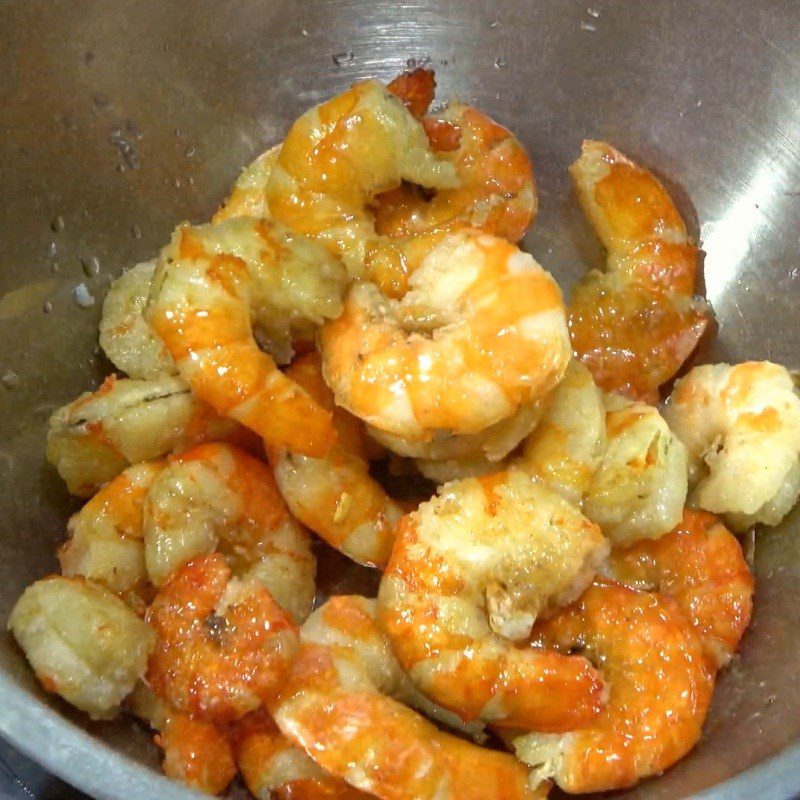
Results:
[117, 120]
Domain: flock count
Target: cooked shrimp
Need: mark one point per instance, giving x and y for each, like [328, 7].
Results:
[635, 324]
[106, 538]
[223, 646]
[456, 469]
[93, 439]
[333, 163]
[741, 426]
[639, 487]
[335, 496]
[700, 564]
[217, 497]
[660, 687]
[480, 334]
[248, 196]
[82, 641]
[211, 282]
[470, 571]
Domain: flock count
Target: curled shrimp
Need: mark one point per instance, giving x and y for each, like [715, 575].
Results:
[93, 439]
[701, 565]
[215, 497]
[335, 495]
[470, 572]
[336, 159]
[223, 646]
[128, 341]
[211, 281]
[480, 334]
[82, 641]
[660, 686]
[248, 197]
[635, 324]
[741, 426]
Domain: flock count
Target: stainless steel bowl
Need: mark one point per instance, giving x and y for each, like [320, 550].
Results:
[117, 120]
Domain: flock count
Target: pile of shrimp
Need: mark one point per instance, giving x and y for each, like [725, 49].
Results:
[558, 593]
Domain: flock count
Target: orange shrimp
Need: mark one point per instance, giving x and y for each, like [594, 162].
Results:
[635, 324]
[223, 647]
[701, 565]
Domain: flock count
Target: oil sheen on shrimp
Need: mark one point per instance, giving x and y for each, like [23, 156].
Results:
[660, 685]
[741, 426]
[470, 572]
[212, 281]
[215, 497]
[481, 333]
[635, 324]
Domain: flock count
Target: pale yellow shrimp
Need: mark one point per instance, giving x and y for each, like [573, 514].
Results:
[741, 426]
[106, 537]
[128, 341]
[82, 641]
[248, 196]
[223, 646]
[480, 334]
[635, 324]
[217, 497]
[660, 686]
[94, 438]
[211, 283]
[470, 572]
[336, 159]
[335, 496]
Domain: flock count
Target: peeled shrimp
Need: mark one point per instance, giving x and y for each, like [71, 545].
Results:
[741, 426]
[335, 496]
[248, 196]
[223, 646]
[128, 341]
[471, 570]
[701, 565]
[124, 422]
[217, 497]
[635, 324]
[336, 159]
[82, 641]
[480, 334]
[212, 281]
[659, 681]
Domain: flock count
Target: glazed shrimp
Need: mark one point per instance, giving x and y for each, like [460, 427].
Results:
[82, 641]
[211, 282]
[700, 564]
[223, 646]
[471, 570]
[216, 497]
[660, 687]
[106, 536]
[480, 334]
[335, 496]
[93, 439]
[248, 197]
[128, 341]
[333, 163]
[635, 324]
[741, 426]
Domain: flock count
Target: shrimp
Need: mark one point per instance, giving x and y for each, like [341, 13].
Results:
[82, 641]
[128, 341]
[223, 646]
[211, 281]
[335, 496]
[106, 536]
[216, 497]
[471, 570]
[660, 688]
[248, 197]
[701, 565]
[635, 324]
[93, 439]
[741, 426]
[480, 334]
[333, 163]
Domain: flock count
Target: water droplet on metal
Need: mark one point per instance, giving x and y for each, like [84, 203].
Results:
[593, 12]
[177, 183]
[500, 62]
[57, 224]
[10, 380]
[54, 267]
[443, 62]
[47, 307]
[588, 26]
[125, 147]
[52, 249]
[90, 266]
[304, 32]
[494, 23]
[136, 232]
[345, 57]
[190, 151]
[83, 297]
